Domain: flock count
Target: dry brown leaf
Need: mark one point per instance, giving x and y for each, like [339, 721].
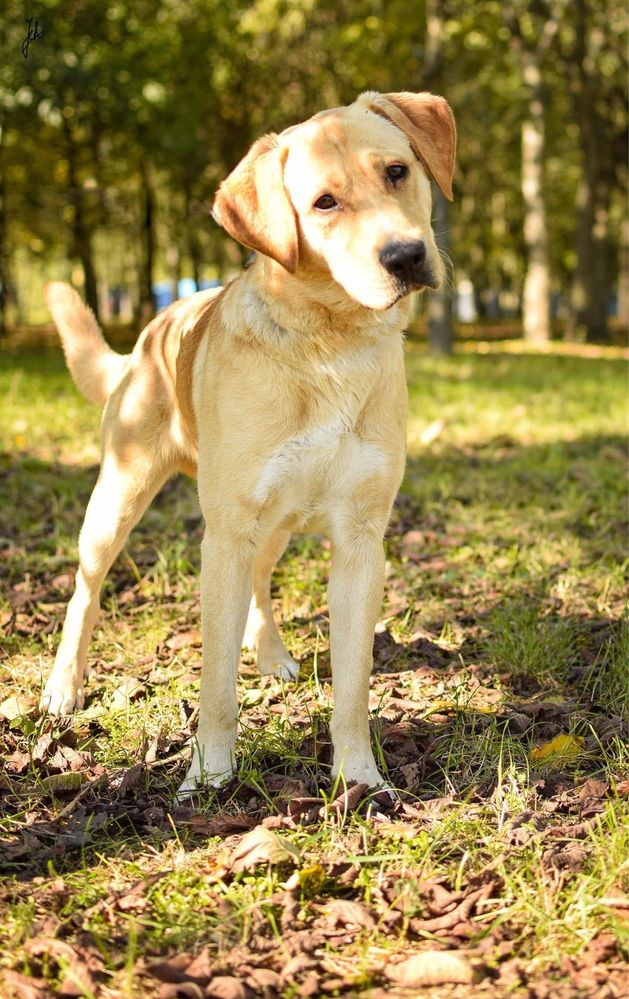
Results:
[17, 986]
[127, 689]
[260, 846]
[222, 824]
[457, 915]
[171, 971]
[434, 967]
[348, 799]
[264, 979]
[201, 968]
[192, 990]
[347, 913]
[225, 987]
[130, 779]
[397, 830]
[77, 981]
[185, 640]
[15, 707]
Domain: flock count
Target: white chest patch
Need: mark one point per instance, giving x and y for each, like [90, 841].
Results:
[314, 465]
[299, 458]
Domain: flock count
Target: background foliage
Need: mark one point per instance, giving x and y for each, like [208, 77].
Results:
[122, 120]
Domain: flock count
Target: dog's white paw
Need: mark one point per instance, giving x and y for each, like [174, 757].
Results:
[359, 770]
[62, 696]
[278, 662]
[212, 775]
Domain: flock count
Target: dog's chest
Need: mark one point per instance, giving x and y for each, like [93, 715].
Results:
[311, 469]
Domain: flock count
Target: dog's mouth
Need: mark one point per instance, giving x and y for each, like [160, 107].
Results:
[404, 288]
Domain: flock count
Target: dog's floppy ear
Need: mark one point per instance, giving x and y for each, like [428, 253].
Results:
[428, 122]
[253, 206]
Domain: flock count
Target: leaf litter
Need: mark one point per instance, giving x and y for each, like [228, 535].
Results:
[357, 892]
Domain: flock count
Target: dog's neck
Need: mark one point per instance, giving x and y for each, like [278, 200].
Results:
[309, 315]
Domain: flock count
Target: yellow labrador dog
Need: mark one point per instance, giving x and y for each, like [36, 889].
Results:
[284, 393]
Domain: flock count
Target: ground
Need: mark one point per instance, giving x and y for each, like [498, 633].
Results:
[499, 703]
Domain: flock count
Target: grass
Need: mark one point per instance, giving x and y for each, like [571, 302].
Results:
[504, 626]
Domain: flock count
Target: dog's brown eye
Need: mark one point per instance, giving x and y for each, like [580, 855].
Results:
[396, 172]
[325, 202]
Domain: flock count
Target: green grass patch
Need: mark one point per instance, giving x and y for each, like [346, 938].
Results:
[504, 627]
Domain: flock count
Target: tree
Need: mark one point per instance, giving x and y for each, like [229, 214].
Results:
[596, 65]
[531, 40]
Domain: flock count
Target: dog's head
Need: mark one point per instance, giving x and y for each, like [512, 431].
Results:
[347, 193]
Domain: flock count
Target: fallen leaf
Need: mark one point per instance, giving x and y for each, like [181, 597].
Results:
[457, 915]
[124, 692]
[172, 971]
[559, 750]
[185, 640]
[130, 779]
[15, 707]
[616, 899]
[62, 783]
[570, 858]
[261, 846]
[222, 824]
[192, 990]
[225, 987]
[346, 913]
[23, 986]
[264, 979]
[347, 800]
[77, 981]
[435, 967]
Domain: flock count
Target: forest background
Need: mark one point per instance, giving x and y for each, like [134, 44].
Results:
[119, 120]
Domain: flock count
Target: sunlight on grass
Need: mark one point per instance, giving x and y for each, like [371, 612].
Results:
[504, 626]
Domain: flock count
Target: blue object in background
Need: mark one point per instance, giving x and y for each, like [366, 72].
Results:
[162, 294]
[163, 290]
[186, 287]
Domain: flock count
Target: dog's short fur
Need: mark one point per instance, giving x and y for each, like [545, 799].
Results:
[285, 392]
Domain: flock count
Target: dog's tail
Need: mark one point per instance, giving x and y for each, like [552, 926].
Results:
[94, 366]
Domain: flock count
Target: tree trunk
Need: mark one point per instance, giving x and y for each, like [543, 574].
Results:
[440, 329]
[4, 274]
[194, 251]
[623, 275]
[591, 287]
[536, 293]
[147, 299]
[592, 279]
[81, 237]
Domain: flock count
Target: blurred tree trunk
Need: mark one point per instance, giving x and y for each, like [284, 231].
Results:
[4, 269]
[623, 275]
[194, 251]
[529, 44]
[592, 280]
[592, 284]
[81, 237]
[147, 299]
[536, 291]
[440, 330]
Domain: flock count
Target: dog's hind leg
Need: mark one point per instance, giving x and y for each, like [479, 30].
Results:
[120, 497]
[261, 634]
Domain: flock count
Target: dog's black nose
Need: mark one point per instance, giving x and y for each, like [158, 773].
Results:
[406, 261]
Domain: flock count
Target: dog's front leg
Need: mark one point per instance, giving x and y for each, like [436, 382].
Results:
[354, 598]
[226, 567]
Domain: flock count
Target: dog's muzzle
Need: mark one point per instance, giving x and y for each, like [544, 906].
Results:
[407, 263]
